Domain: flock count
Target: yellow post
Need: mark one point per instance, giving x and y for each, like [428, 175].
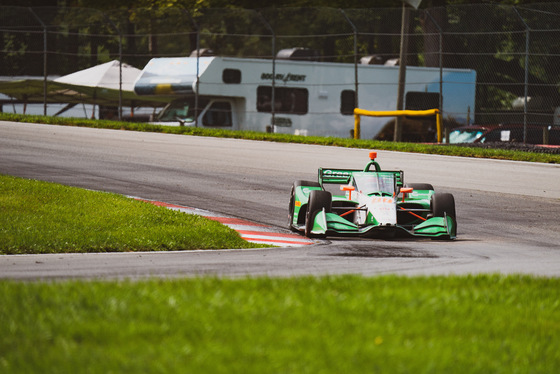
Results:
[438, 123]
[356, 126]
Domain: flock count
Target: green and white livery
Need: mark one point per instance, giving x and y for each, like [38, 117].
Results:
[371, 203]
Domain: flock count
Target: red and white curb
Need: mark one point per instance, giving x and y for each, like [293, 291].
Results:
[250, 231]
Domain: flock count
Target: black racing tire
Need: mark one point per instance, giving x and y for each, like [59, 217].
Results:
[443, 204]
[318, 200]
[306, 184]
[291, 207]
[420, 186]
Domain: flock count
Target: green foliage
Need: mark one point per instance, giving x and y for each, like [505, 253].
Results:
[337, 324]
[40, 217]
[488, 38]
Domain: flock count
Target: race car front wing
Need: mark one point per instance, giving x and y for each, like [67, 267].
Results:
[326, 223]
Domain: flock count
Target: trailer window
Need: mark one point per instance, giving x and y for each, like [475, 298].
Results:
[421, 100]
[231, 76]
[287, 100]
[347, 101]
[219, 115]
[180, 109]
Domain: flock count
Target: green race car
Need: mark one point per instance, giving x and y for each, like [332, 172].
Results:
[371, 203]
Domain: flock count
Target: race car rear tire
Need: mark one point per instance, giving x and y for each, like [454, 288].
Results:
[443, 204]
[291, 208]
[420, 186]
[318, 200]
[306, 184]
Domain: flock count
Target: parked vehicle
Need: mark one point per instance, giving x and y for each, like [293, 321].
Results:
[467, 134]
[513, 133]
[310, 97]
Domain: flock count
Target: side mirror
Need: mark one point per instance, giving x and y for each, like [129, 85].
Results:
[406, 190]
[180, 120]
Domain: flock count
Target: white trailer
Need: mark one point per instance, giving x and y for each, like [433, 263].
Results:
[311, 98]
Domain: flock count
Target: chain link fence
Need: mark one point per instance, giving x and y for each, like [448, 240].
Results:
[514, 50]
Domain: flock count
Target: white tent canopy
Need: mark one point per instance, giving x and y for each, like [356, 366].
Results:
[106, 75]
[98, 85]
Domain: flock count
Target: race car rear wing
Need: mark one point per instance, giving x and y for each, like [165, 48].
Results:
[335, 176]
[342, 176]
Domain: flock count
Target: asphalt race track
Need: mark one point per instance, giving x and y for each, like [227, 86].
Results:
[508, 212]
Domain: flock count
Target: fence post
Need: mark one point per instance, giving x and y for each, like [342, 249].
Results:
[272, 93]
[525, 101]
[197, 73]
[440, 32]
[44, 60]
[355, 30]
[120, 77]
[195, 25]
[120, 64]
[402, 72]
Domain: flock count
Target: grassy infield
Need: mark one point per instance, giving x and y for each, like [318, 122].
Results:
[41, 217]
[342, 324]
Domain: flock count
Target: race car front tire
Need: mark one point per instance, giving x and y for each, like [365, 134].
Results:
[318, 200]
[443, 204]
[291, 209]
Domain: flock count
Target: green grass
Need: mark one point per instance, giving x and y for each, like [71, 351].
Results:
[342, 324]
[329, 141]
[336, 324]
[41, 217]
